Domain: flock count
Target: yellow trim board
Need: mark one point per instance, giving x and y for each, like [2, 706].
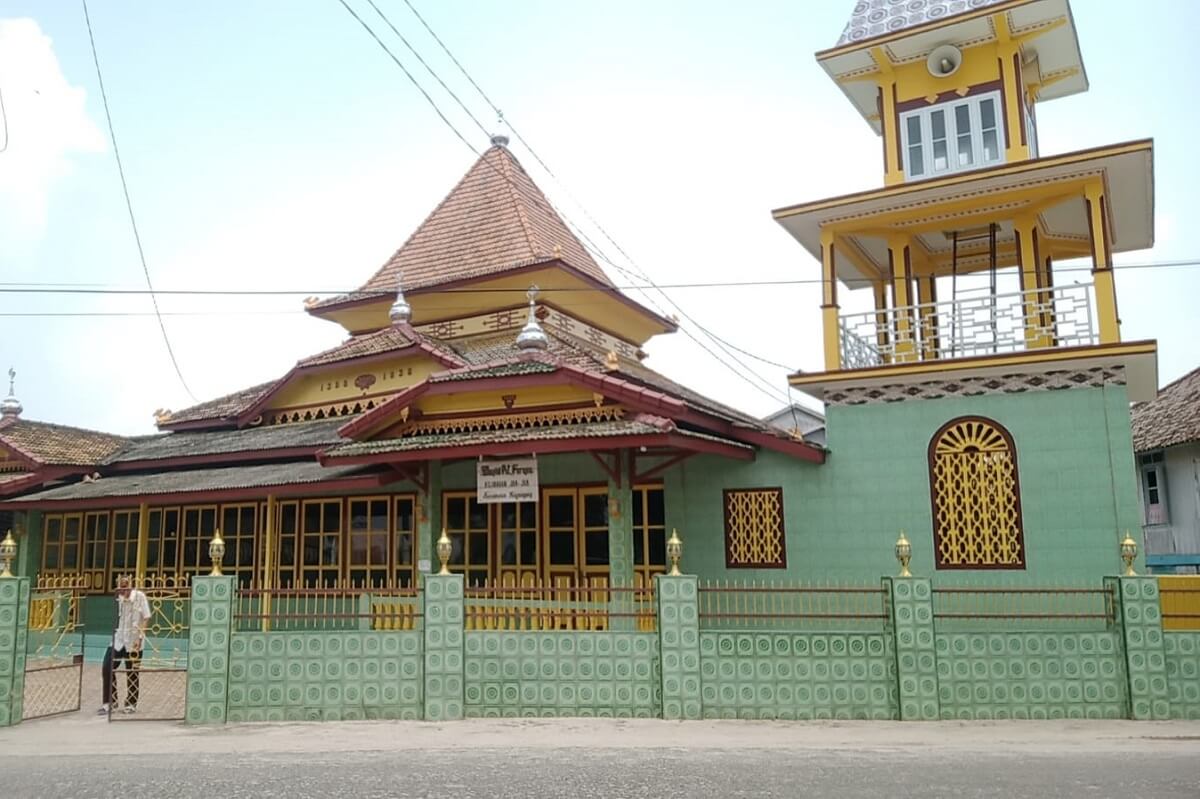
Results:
[1080, 156]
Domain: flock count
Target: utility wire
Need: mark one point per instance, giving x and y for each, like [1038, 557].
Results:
[356, 294]
[743, 375]
[640, 272]
[129, 205]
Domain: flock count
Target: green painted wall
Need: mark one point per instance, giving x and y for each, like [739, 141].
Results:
[842, 518]
[562, 673]
[328, 676]
[1047, 675]
[1182, 651]
[797, 676]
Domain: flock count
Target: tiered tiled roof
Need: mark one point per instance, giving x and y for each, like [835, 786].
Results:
[494, 220]
[226, 407]
[223, 442]
[59, 445]
[380, 342]
[1171, 418]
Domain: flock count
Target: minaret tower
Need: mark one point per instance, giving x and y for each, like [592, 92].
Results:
[959, 382]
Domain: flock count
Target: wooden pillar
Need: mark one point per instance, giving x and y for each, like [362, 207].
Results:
[900, 263]
[143, 543]
[829, 304]
[1046, 296]
[270, 568]
[1102, 275]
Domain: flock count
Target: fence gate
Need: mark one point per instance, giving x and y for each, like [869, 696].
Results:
[157, 683]
[53, 654]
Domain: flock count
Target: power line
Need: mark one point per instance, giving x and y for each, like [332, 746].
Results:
[129, 205]
[771, 391]
[355, 294]
[640, 272]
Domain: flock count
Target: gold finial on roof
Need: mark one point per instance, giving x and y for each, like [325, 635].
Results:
[310, 302]
[611, 362]
[161, 415]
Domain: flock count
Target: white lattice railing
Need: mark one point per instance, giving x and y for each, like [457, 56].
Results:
[980, 325]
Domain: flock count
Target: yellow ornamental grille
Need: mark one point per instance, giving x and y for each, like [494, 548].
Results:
[754, 528]
[976, 498]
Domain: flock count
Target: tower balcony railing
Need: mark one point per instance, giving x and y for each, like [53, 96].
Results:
[969, 327]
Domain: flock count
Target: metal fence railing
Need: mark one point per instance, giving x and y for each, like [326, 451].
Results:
[1020, 607]
[767, 605]
[327, 609]
[498, 606]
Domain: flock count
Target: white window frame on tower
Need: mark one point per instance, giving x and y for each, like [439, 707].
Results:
[1153, 467]
[952, 137]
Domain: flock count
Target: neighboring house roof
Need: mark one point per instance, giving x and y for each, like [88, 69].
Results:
[809, 423]
[59, 445]
[1171, 418]
[872, 18]
[494, 220]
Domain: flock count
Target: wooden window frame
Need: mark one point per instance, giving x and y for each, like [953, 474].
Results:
[370, 568]
[322, 569]
[128, 545]
[469, 564]
[643, 573]
[729, 562]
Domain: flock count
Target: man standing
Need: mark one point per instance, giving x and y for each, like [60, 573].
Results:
[133, 614]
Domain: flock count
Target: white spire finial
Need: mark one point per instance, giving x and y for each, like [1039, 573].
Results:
[532, 337]
[10, 408]
[401, 311]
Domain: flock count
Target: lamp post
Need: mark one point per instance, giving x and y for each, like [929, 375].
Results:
[8, 553]
[674, 553]
[1128, 553]
[903, 554]
[216, 553]
[443, 552]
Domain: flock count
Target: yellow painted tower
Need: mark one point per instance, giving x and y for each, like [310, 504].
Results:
[952, 88]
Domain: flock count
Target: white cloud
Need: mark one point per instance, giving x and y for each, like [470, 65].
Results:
[47, 124]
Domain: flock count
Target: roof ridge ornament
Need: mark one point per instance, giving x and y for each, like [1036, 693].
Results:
[532, 337]
[401, 312]
[11, 408]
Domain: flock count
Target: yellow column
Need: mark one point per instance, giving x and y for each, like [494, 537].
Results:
[1025, 227]
[900, 260]
[1102, 276]
[829, 306]
[1009, 52]
[143, 543]
[893, 168]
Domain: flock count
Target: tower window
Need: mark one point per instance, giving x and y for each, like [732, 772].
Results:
[976, 496]
[952, 137]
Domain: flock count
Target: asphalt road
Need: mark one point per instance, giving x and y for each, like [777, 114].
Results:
[608, 773]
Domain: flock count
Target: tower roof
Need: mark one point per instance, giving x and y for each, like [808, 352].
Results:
[872, 18]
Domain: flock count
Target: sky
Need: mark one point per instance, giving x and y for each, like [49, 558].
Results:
[273, 146]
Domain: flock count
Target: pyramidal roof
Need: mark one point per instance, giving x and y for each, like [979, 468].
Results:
[872, 18]
[494, 220]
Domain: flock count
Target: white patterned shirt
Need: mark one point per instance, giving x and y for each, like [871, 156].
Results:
[132, 610]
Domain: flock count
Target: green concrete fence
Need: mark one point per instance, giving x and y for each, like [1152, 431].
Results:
[918, 664]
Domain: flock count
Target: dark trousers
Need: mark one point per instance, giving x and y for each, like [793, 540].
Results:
[113, 659]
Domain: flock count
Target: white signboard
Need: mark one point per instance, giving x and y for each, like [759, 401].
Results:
[509, 480]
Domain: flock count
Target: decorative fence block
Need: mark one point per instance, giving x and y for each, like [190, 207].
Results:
[1138, 618]
[562, 673]
[797, 676]
[1182, 651]
[444, 687]
[1030, 675]
[910, 620]
[679, 645]
[14, 627]
[208, 650]
[329, 676]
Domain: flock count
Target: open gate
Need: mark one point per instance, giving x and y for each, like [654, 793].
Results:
[159, 679]
[53, 654]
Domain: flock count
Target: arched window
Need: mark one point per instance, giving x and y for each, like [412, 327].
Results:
[976, 496]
